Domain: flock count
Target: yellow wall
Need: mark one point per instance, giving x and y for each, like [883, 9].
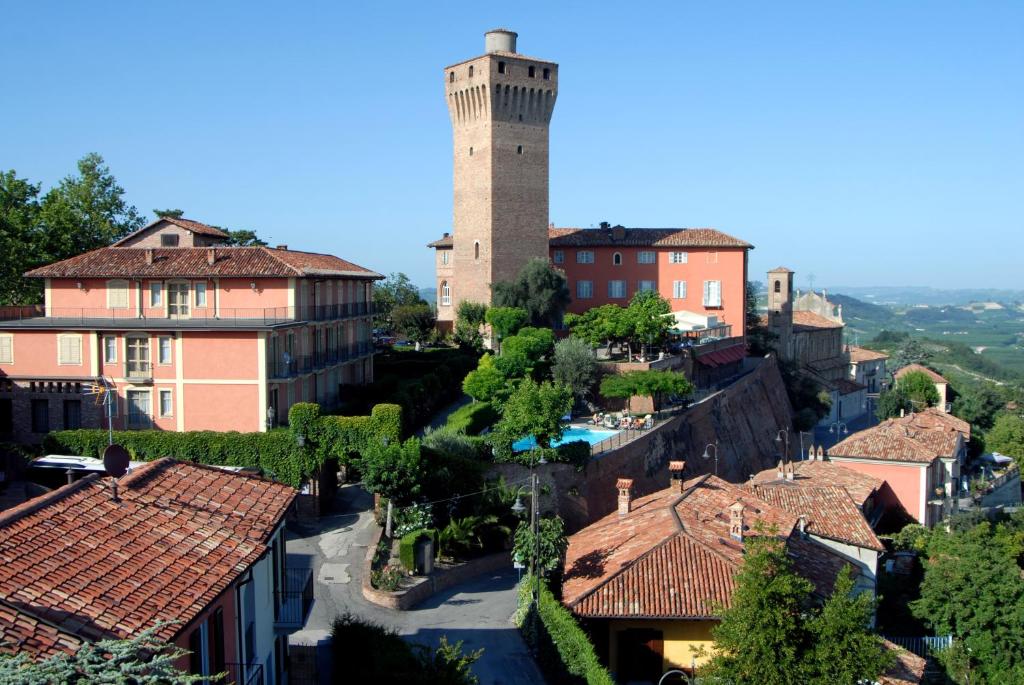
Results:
[682, 640]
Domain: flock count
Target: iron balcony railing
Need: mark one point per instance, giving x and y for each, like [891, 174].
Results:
[294, 600]
[225, 317]
[287, 366]
[138, 370]
[243, 674]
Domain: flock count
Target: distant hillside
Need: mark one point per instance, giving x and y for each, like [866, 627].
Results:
[866, 318]
[910, 296]
[429, 295]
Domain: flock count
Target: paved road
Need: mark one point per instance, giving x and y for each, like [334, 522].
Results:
[477, 612]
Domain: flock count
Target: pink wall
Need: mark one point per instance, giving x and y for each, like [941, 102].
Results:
[225, 355]
[237, 293]
[35, 354]
[904, 480]
[725, 265]
[65, 294]
[222, 407]
[225, 602]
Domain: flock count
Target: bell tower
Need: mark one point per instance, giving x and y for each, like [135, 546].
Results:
[780, 308]
[500, 106]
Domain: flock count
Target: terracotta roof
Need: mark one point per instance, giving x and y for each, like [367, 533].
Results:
[179, 535]
[672, 556]
[908, 669]
[812, 320]
[243, 262]
[187, 224]
[910, 368]
[20, 631]
[815, 474]
[830, 511]
[643, 237]
[445, 241]
[920, 437]
[845, 386]
[863, 354]
[782, 269]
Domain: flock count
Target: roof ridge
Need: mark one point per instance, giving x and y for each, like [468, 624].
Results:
[36, 503]
[272, 253]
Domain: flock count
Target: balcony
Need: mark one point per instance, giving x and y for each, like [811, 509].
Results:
[287, 366]
[138, 372]
[243, 674]
[37, 316]
[294, 601]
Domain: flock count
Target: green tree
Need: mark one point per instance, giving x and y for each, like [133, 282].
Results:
[19, 239]
[392, 470]
[484, 383]
[169, 213]
[532, 343]
[919, 389]
[910, 352]
[505, 321]
[415, 321]
[893, 402]
[653, 384]
[553, 543]
[537, 410]
[394, 291]
[469, 317]
[1007, 437]
[575, 366]
[539, 289]
[977, 404]
[244, 238]
[607, 325]
[144, 659]
[648, 320]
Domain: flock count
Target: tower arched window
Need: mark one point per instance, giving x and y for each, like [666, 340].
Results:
[476, 250]
[547, 74]
[617, 258]
[446, 294]
[451, 77]
[778, 286]
[470, 71]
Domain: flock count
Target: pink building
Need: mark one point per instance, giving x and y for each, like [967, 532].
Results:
[191, 333]
[700, 271]
[918, 456]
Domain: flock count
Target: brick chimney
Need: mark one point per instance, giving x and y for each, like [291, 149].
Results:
[675, 470]
[736, 521]
[211, 255]
[801, 523]
[781, 470]
[625, 488]
[790, 471]
[149, 255]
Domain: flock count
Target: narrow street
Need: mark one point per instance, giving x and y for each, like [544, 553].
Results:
[477, 612]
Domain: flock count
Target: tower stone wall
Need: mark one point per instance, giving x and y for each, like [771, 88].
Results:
[780, 309]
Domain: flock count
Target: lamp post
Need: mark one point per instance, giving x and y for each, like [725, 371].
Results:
[783, 437]
[707, 455]
[838, 428]
[518, 509]
[802, 434]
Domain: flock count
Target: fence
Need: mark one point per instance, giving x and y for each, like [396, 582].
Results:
[294, 601]
[243, 674]
[223, 316]
[923, 646]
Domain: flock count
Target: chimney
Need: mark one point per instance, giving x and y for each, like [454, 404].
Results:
[446, 234]
[903, 412]
[736, 521]
[618, 232]
[821, 453]
[675, 470]
[211, 255]
[781, 470]
[149, 255]
[801, 523]
[281, 247]
[790, 471]
[625, 488]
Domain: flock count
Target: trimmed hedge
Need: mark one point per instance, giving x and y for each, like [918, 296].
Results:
[407, 546]
[473, 418]
[565, 653]
[275, 452]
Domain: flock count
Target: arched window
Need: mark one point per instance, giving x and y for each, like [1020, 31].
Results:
[446, 294]
[778, 286]
[451, 77]
[547, 73]
[471, 151]
[617, 258]
[476, 250]
[471, 71]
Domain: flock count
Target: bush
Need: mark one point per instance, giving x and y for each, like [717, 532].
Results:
[564, 652]
[472, 418]
[388, 578]
[576, 453]
[451, 442]
[407, 547]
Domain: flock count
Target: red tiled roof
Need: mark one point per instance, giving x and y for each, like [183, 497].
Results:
[910, 368]
[816, 474]
[179, 535]
[812, 320]
[243, 262]
[672, 555]
[643, 237]
[920, 438]
[445, 241]
[187, 224]
[863, 354]
[20, 631]
[721, 357]
[830, 511]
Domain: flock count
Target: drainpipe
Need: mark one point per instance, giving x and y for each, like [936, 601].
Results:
[239, 634]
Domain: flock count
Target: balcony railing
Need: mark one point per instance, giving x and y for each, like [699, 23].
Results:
[206, 316]
[138, 371]
[243, 674]
[293, 602]
[289, 367]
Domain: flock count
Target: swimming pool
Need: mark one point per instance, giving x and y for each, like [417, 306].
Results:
[571, 434]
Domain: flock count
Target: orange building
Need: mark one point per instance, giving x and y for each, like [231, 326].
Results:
[192, 334]
[700, 271]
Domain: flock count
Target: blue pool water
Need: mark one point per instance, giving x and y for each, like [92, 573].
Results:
[572, 434]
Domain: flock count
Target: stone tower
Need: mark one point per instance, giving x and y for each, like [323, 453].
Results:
[500, 105]
[780, 308]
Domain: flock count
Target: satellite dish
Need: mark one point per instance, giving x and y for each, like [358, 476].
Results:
[115, 460]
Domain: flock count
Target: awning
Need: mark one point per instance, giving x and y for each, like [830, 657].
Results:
[729, 355]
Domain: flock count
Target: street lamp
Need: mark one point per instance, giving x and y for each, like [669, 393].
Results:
[707, 455]
[783, 437]
[802, 434]
[838, 428]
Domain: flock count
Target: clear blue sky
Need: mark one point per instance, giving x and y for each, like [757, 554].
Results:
[865, 142]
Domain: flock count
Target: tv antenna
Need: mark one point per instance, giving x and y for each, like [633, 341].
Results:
[105, 393]
[115, 462]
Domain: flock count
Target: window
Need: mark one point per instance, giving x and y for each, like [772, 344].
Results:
[6, 349]
[109, 350]
[617, 258]
[200, 290]
[501, 67]
[166, 403]
[72, 415]
[156, 294]
[217, 638]
[678, 257]
[40, 416]
[444, 256]
[547, 73]
[117, 294]
[584, 290]
[679, 290]
[470, 71]
[69, 349]
[778, 286]
[177, 300]
[138, 408]
[519, 149]
[164, 350]
[711, 258]
[584, 257]
[471, 151]
[476, 250]
[645, 257]
[446, 294]
[168, 240]
[531, 72]
[617, 289]
[643, 286]
[558, 256]
[137, 360]
[451, 77]
[712, 293]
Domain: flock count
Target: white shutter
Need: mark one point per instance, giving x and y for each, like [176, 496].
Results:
[69, 349]
[117, 294]
[707, 293]
[6, 349]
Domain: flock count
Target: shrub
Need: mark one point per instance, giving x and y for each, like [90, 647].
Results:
[448, 441]
[407, 547]
[576, 453]
[473, 418]
[388, 578]
[564, 652]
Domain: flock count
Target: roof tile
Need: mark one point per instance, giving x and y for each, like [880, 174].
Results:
[643, 237]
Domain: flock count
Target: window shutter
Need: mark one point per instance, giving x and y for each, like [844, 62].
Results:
[117, 294]
[6, 349]
[707, 293]
[69, 349]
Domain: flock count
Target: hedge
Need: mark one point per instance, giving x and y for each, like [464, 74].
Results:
[564, 652]
[275, 452]
[473, 418]
[576, 453]
[407, 546]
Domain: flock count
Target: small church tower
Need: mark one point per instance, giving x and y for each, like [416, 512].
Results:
[780, 308]
[500, 105]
